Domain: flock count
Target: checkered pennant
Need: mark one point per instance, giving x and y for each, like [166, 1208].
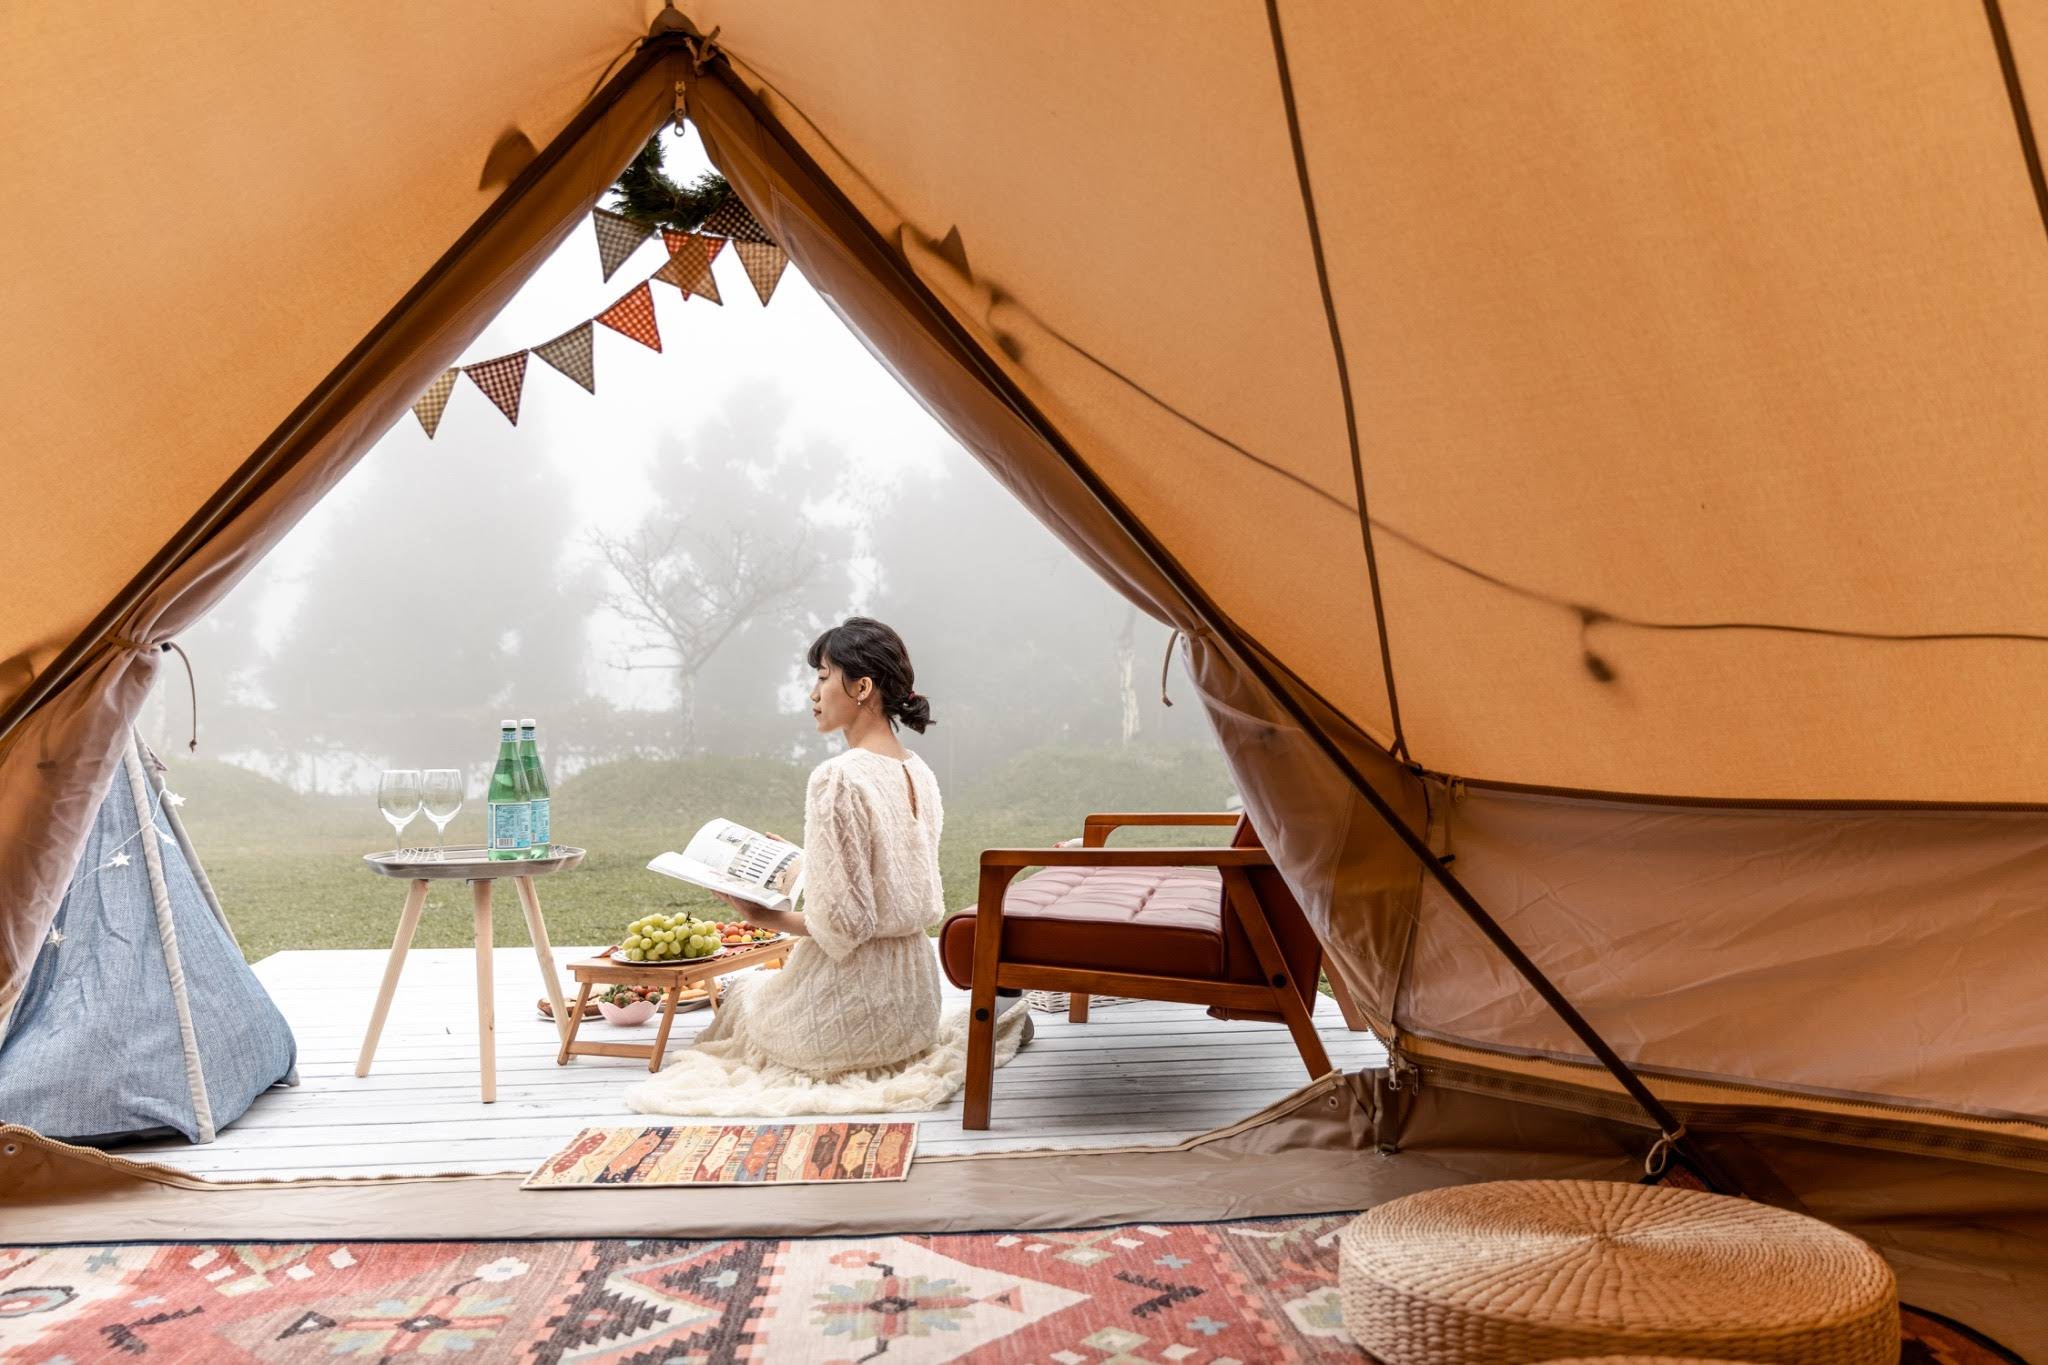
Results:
[501, 380]
[434, 401]
[731, 219]
[571, 353]
[633, 316]
[689, 264]
[764, 262]
[617, 238]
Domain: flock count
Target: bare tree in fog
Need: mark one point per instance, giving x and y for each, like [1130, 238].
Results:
[729, 547]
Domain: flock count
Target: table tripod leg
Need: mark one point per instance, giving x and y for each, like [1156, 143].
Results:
[537, 930]
[486, 1028]
[408, 923]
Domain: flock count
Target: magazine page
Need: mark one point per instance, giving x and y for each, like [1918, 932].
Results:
[696, 874]
[733, 850]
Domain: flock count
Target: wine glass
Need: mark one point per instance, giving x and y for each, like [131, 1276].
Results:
[441, 797]
[398, 796]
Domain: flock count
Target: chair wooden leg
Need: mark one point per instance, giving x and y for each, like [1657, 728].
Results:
[1077, 1007]
[981, 1018]
[401, 943]
[486, 1006]
[575, 1023]
[1279, 976]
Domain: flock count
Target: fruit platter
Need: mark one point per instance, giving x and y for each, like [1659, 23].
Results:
[680, 938]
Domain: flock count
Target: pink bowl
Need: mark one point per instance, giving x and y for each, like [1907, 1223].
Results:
[639, 1012]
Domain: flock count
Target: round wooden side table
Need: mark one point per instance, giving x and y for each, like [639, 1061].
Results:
[470, 863]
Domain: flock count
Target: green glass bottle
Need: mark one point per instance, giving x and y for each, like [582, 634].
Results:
[510, 832]
[536, 789]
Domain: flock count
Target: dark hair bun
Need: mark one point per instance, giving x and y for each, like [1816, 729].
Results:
[914, 711]
[863, 647]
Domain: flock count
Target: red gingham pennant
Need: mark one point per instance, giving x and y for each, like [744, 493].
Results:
[633, 316]
[434, 401]
[617, 238]
[572, 354]
[764, 262]
[501, 381]
[731, 219]
[689, 264]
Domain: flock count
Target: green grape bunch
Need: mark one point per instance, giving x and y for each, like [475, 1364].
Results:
[665, 938]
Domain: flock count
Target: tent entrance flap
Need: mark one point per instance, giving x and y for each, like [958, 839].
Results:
[743, 138]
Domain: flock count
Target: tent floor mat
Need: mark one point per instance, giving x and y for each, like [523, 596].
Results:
[1255, 1289]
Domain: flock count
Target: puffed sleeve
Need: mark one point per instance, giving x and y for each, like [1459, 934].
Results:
[839, 877]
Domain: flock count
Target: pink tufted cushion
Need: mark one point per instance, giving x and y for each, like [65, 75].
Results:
[1162, 920]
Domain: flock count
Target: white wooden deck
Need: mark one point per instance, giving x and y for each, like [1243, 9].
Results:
[1140, 1073]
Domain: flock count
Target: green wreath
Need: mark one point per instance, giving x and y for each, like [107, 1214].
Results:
[646, 195]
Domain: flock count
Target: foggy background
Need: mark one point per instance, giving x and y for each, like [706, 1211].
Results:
[642, 569]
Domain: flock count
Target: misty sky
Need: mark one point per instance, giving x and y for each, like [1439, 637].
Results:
[601, 444]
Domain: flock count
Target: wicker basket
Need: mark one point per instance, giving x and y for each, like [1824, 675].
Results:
[1644, 1360]
[1537, 1270]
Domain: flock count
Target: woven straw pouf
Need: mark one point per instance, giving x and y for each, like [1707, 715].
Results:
[1644, 1360]
[1533, 1270]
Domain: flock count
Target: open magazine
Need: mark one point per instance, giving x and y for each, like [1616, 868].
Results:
[754, 867]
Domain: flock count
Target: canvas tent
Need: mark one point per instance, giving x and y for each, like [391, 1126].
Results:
[140, 1014]
[1591, 450]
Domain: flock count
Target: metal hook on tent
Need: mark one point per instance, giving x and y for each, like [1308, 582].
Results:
[1166, 667]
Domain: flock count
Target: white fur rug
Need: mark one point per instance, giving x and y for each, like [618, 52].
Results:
[713, 1081]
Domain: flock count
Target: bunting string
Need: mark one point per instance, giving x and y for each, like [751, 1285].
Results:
[502, 379]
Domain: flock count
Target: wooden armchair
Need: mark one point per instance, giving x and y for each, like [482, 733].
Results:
[1204, 926]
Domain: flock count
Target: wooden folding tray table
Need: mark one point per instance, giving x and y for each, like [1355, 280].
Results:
[673, 977]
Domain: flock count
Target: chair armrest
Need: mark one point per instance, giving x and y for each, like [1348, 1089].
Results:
[1098, 826]
[1126, 857]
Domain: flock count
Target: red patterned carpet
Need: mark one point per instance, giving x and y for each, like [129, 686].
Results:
[1186, 1294]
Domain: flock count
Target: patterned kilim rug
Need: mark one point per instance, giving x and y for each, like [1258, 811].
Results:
[1190, 1294]
[730, 1154]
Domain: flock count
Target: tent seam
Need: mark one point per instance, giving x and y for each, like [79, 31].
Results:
[1315, 241]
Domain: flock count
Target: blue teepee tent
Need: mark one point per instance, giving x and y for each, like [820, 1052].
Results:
[140, 1014]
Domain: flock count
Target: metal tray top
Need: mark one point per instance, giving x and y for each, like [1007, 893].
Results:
[468, 862]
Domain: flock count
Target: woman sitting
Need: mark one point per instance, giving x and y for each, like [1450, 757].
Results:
[860, 992]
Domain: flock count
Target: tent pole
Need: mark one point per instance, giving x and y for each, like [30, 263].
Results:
[976, 360]
[281, 451]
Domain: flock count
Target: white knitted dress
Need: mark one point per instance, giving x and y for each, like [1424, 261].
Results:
[863, 990]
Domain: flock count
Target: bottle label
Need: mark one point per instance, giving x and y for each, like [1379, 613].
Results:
[511, 825]
[539, 821]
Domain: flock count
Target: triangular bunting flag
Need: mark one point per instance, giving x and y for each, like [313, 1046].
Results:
[617, 238]
[633, 316]
[692, 244]
[501, 380]
[434, 402]
[764, 262]
[731, 219]
[689, 264]
[571, 353]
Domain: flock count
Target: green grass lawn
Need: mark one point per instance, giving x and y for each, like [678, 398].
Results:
[289, 868]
